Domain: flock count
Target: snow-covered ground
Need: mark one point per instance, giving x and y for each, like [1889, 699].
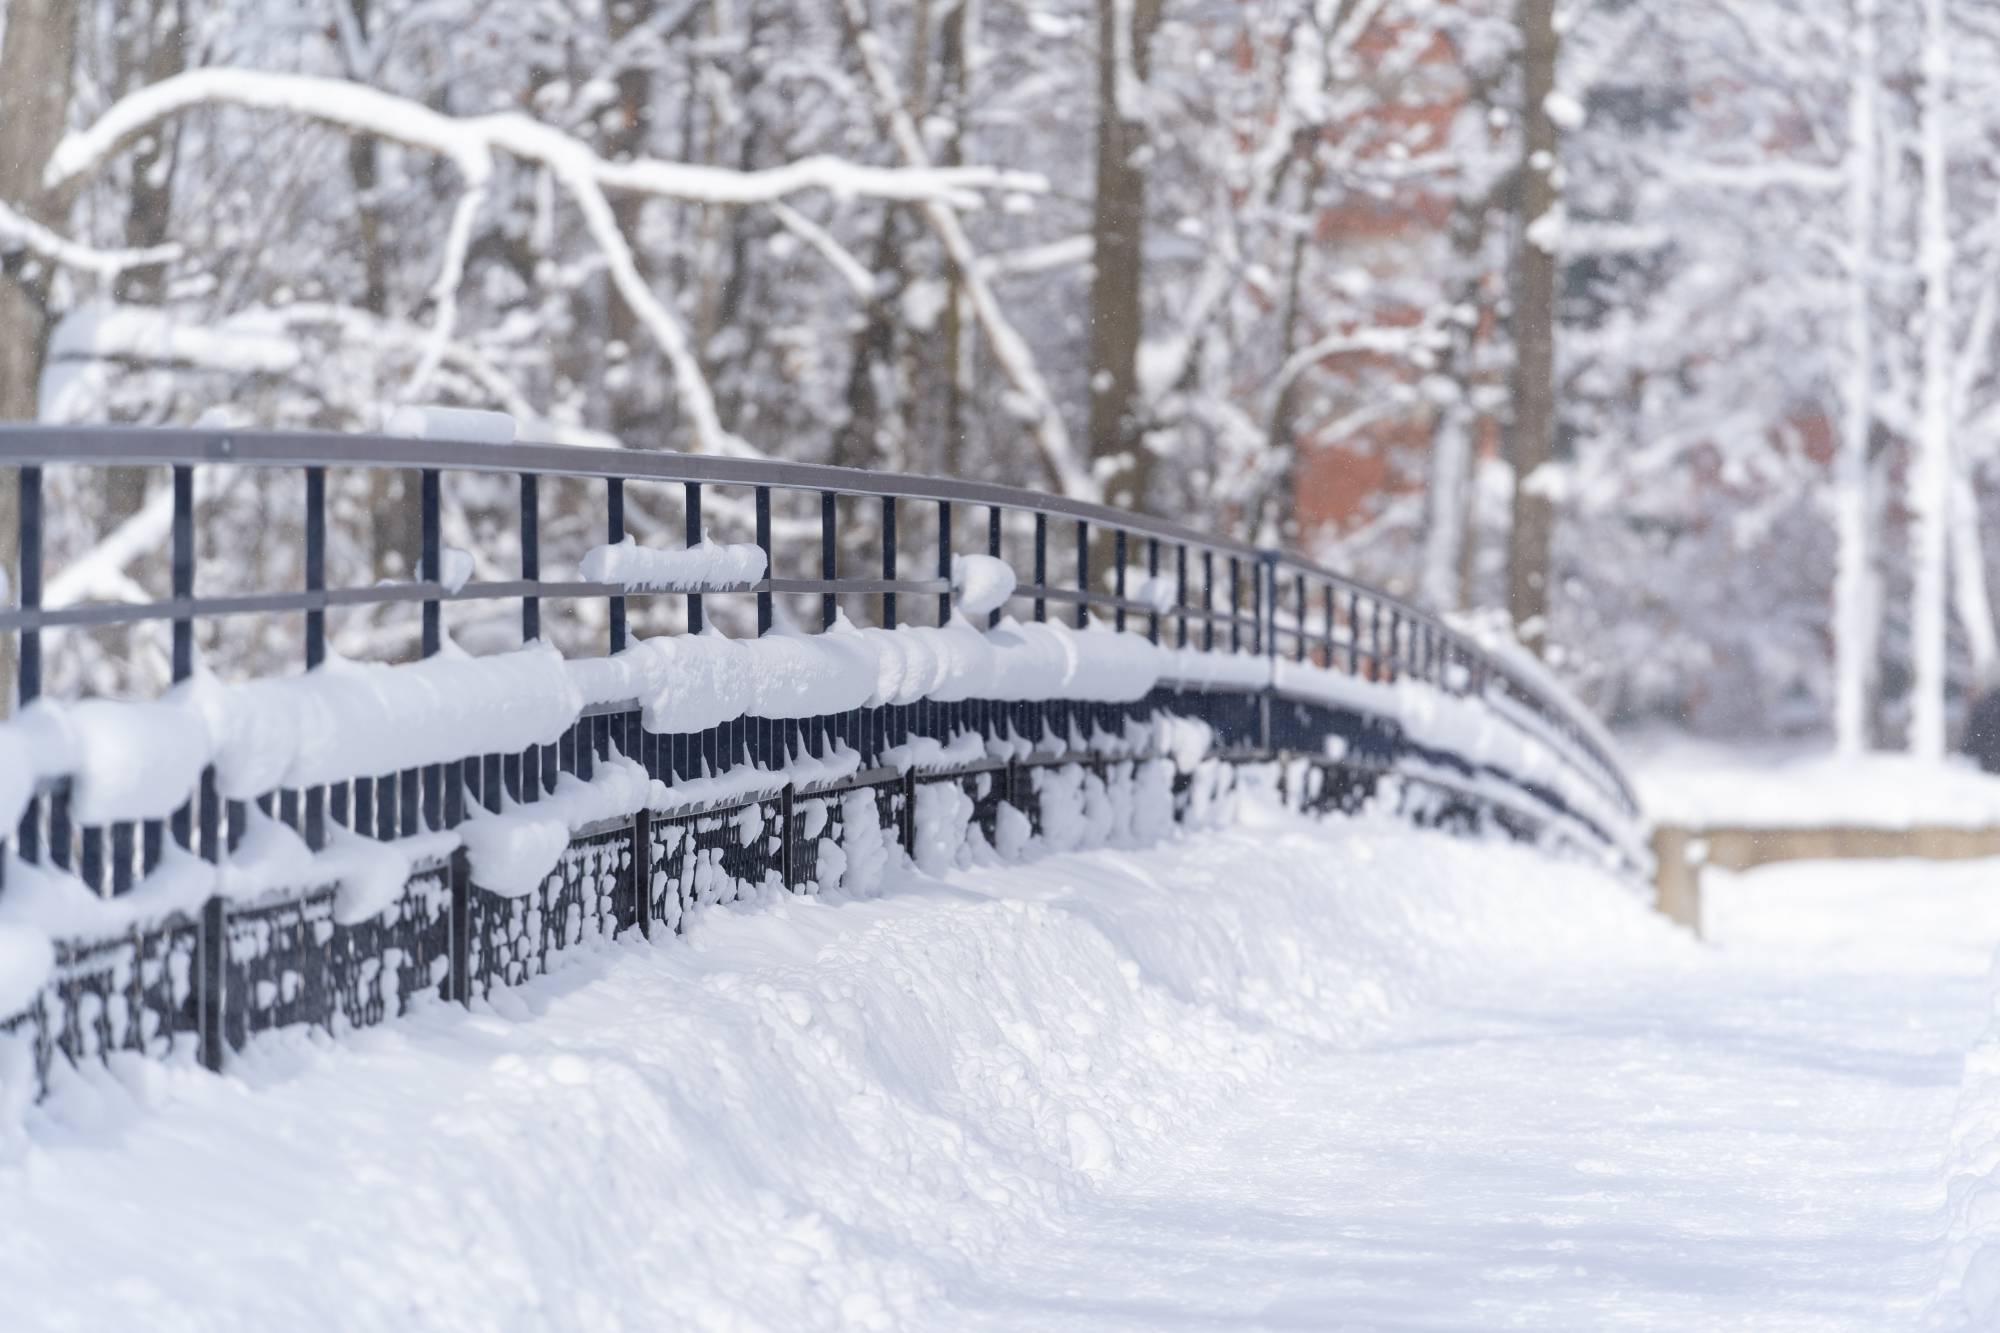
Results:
[1685, 780]
[1291, 1075]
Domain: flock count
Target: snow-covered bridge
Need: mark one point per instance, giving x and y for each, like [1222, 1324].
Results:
[1022, 978]
[329, 847]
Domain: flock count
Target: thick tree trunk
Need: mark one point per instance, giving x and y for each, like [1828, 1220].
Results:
[1118, 228]
[37, 58]
[1853, 619]
[1534, 425]
[1931, 476]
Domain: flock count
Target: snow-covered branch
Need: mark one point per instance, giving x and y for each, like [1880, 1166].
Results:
[59, 249]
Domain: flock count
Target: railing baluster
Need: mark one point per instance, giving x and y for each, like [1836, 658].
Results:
[183, 589]
[1299, 611]
[614, 533]
[829, 558]
[1235, 606]
[1208, 601]
[440, 780]
[28, 668]
[1041, 565]
[1181, 593]
[315, 645]
[944, 561]
[531, 554]
[1082, 573]
[763, 501]
[692, 526]
[1118, 577]
[993, 549]
[889, 559]
[1153, 588]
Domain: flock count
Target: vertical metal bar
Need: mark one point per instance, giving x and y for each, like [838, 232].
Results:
[1153, 588]
[430, 518]
[829, 558]
[763, 500]
[944, 560]
[460, 926]
[1118, 576]
[693, 530]
[1235, 605]
[1299, 592]
[531, 554]
[121, 857]
[1041, 566]
[429, 502]
[1353, 633]
[788, 865]
[614, 533]
[183, 568]
[993, 549]
[183, 590]
[1208, 601]
[209, 948]
[1328, 595]
[29, 677]
[889, 559]
[642, 870]
[315, 570]
[1181, 594]
[1082, 573]
[315, 577]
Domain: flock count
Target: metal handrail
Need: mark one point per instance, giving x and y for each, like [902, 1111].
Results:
[26, 447]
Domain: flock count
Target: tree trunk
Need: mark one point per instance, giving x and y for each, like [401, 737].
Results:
[1853, 623]
[1118, 227]
[1534, 425]
[37, 59]
[1931, 475]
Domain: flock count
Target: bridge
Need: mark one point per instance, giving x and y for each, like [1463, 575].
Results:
[919, 662]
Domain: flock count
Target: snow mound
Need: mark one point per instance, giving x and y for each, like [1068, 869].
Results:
[1968, 1291]
[813, 1113]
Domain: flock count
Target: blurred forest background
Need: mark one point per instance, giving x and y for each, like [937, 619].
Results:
[1664, 332]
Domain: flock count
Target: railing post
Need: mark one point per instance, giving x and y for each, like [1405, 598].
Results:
[614, 533]
[29, 667]
[1041, 566]
[642, 870]
[1118, 576]
[788, 843]
[1181, 593]
[1082, 573]
[436, 778]
[1235, 606]
[1208, 602]
[829, 559]
[1299, 610]
[889, 560]
[459, 879]
[944, 561]
[1152, 589]
[183, 644]
[693, 528]
[1328, 593]
[531, 555]
[763, 510]
[315, 578]
[993, 549]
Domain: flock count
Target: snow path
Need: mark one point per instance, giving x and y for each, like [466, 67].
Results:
[1583, 1147]
[1284, 1076]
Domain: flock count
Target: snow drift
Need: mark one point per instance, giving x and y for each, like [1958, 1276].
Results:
[819, 1113]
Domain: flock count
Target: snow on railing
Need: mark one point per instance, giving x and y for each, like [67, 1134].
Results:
[418, 804]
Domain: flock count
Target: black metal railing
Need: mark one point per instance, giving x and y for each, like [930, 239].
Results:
[1201, 593]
